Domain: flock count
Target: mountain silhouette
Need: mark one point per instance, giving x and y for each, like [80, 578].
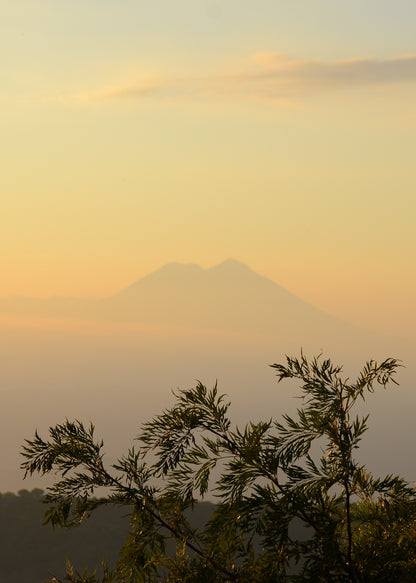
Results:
[229, 297]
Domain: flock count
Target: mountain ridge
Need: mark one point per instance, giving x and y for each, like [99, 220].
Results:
[228, 267]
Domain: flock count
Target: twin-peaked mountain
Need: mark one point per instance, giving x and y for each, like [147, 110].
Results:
[229, 297]
[182, 311]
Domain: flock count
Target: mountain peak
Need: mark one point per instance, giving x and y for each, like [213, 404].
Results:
[231, 265]
[174, 272]
[228, 265]
[229, 272]
[175, 266]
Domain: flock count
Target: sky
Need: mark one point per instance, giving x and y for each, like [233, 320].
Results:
[280, 133]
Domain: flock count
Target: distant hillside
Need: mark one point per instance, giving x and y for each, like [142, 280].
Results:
[31, 552]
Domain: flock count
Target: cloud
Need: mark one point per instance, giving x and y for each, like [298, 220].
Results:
[268, 76]
[129, 91]
[343, 71]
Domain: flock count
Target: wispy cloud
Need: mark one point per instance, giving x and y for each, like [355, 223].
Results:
[268, 76]
[135, 90]
[340, 72]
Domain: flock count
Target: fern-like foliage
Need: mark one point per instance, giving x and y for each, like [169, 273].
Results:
[283, 513]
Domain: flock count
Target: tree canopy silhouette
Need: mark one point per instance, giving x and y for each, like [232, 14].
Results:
[293, 503]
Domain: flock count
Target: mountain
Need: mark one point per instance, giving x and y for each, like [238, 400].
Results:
[229, 297]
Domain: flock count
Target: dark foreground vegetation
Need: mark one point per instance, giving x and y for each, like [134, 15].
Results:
[293, 503]
[31, 552]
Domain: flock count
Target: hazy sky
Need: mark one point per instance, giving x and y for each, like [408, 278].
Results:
[278, 132]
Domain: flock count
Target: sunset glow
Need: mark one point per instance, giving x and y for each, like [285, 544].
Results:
[280, 134]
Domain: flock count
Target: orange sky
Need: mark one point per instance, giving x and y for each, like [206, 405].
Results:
[130, 139]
